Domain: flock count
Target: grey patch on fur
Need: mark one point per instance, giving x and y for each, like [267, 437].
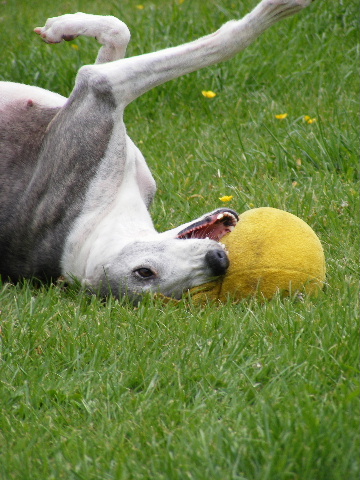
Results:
[66, 147]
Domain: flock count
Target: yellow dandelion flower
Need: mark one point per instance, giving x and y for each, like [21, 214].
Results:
[74, 46]
[140, 7]
[208, 94]
[281, 116]
[181, 1]
[226, 198]
[308, 119]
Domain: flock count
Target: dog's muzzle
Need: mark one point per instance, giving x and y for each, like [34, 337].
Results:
[218, 262]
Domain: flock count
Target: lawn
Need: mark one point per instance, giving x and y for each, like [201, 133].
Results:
[103, 390]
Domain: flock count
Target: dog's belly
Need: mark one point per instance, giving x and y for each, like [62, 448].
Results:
[15, 92]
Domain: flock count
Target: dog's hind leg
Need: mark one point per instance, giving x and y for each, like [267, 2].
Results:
[109, 31]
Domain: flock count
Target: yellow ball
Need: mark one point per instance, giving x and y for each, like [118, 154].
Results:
[270, 251]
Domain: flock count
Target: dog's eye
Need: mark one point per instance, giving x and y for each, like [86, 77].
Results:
[144, 272]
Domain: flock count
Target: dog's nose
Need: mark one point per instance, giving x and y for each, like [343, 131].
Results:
[217, 260]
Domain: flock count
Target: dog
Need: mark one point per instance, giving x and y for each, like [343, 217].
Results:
[75, 191]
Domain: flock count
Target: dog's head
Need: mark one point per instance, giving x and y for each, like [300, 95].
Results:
[172, 262]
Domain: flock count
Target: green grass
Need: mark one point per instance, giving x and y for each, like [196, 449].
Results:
[253, 391]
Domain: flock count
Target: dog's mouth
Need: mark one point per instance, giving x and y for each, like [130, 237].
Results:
[214, 226]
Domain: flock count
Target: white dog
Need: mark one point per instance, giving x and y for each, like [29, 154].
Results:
[75, 190]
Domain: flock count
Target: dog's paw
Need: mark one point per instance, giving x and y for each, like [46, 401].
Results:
[106, 29]
[56, 29]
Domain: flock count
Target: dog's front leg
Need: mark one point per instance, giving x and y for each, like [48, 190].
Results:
[132, 77]
[109, 31]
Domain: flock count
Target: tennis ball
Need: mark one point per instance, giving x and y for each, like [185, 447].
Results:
[270, 251]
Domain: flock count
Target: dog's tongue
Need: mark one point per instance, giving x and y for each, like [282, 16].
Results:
[213, 226]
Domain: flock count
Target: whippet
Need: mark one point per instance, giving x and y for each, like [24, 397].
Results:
[75, 190]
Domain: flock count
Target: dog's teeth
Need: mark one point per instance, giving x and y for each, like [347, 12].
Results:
[220, 216]
[224, 247]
